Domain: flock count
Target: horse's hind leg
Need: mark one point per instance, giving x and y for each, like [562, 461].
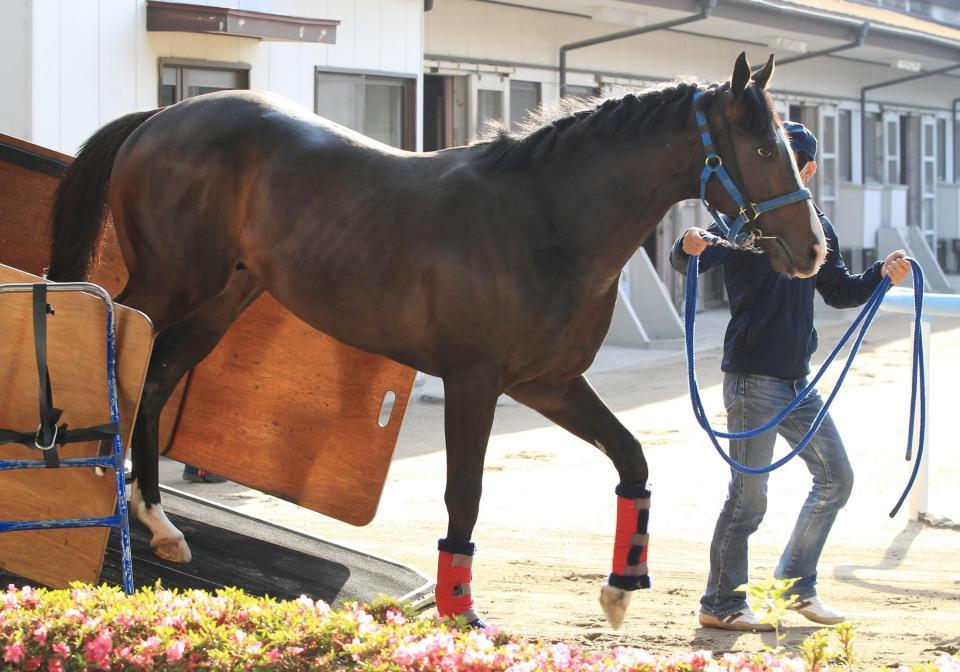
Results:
[470, 399]
[575, 406]
[177, 349]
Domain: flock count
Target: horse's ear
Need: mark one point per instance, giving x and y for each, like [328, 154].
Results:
[741, 75]
[762, 77]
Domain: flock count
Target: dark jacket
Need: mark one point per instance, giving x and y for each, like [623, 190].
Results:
[771, 315]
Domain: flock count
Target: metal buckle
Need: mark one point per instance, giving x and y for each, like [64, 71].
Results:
[719, 161]
[53, 442]
[749, 216]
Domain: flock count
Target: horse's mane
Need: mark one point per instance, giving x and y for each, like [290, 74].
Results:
[550, 130]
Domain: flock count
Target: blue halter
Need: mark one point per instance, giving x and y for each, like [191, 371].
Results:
[748, 212]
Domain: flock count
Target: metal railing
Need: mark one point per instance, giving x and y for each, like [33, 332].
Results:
[114, 461]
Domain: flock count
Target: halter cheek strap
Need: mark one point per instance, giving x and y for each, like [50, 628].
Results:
[748, 212]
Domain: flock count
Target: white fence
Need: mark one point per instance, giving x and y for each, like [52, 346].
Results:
[900, 300]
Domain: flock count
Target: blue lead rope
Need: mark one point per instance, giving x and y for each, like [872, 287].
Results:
[863, 320]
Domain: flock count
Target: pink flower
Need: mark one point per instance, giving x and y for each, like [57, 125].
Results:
[40, 636]
[61, 649]
[13, 653]
[294, 650]
[54, 665]
[150, 644]
[30, 598]
[175, 651]
[274, 656]
[34, 664]
[97, 650]
[394, 617]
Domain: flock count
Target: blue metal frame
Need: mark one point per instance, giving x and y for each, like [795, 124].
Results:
[120, 519]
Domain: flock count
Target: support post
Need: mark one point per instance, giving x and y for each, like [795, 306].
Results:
[857, 41]
[706, 7]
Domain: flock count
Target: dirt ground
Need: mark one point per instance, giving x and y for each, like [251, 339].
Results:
[547, 517]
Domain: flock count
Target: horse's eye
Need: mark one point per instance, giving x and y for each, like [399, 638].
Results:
[764, 152]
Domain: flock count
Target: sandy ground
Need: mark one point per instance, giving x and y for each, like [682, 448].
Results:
[546, 521]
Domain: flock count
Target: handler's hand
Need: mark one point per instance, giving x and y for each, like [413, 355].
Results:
[693, 242]
[895, 266]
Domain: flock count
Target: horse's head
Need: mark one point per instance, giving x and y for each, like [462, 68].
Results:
[752, 147]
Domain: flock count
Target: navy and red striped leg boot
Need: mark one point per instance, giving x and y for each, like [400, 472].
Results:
[454, 573]
[629, 552]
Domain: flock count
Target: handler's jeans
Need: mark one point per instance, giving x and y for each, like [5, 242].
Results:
[752, 400]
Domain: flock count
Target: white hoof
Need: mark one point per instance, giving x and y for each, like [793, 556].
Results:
[614, 602]
[172, 549]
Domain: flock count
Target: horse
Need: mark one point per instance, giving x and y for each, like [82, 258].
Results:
[493, 266]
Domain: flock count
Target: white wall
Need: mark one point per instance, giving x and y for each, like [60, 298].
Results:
[15, 73]
[93, 60]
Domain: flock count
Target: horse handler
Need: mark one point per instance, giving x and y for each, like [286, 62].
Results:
[766, 359]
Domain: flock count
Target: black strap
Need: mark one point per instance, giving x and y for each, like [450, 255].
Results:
[47, 431]
[64, 435]
[49, 435]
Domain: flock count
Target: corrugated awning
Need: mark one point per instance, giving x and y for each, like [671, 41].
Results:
[181, 17]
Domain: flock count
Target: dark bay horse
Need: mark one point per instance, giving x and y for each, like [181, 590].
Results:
[493, 266]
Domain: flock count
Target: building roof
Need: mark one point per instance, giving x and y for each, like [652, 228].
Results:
[882, 16]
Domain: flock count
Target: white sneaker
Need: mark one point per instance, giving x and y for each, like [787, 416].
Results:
[744, 619]
[815, 610]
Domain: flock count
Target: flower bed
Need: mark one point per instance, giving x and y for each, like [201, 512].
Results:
[100, 628]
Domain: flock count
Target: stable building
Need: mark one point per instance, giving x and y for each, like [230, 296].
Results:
[878, 81]
[70, 66]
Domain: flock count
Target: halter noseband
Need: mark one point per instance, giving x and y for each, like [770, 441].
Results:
[713, 165]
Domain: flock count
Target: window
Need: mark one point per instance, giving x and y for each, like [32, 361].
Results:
[956, 151]
[179, 81]
[893, 153]
[524, 99]
[845, 145]
[489, 108]
[379, 107]
[873, 148]
[577, 91]
[942, 149]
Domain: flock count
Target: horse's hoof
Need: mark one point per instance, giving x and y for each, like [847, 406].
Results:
[614, 602]
[478, 624]
[172, 549]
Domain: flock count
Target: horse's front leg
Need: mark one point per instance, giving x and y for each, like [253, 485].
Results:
[575, 406]
[470, 399]
[167, 541]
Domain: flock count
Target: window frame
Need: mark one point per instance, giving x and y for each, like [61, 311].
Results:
[538, 90]
[409, 83]
[197, 64]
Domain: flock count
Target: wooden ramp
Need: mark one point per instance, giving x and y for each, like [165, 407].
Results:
[76, 351]
[277, 406]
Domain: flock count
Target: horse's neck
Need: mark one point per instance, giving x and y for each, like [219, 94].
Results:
[612, 200]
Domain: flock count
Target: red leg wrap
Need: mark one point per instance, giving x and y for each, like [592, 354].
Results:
[632, 541]
[453, 592]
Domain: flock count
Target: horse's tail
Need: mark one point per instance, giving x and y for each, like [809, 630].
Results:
[80, 202]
